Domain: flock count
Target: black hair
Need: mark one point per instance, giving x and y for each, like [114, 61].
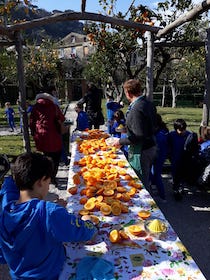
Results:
[160, 124]
[119, 114]
[79, 105]
[30, 167]
[180, 124]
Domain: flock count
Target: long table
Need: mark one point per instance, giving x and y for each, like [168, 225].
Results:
[150, 256]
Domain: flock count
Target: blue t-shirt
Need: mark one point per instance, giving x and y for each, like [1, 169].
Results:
[112, 107]
[32, 235]
[9, 112]
[82, 121]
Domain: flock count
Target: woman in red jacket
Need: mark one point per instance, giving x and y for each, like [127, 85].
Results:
[45, 120]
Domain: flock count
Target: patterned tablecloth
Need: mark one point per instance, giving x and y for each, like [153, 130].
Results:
[152, 256]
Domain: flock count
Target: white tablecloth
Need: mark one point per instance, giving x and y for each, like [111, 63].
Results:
[149, 257]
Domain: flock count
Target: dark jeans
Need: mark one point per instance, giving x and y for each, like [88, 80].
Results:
[55, 156]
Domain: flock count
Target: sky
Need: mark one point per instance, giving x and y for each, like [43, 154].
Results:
[91, 5]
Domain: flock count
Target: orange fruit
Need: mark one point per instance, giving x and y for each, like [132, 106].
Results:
[72, 190]
[83, 212]
[83, 200]
[108, 192]
[125, 197]
[144, 214]
[76, 179]
[123, 235]
[105, 209]
[89, 205]
[116, 209]
[128, 177]
[114, 236]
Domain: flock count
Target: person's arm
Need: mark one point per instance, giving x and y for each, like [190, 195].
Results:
[9, 191]
[69, 228]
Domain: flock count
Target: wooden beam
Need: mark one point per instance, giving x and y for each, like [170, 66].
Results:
[180, 44]
[192, 14]
[70, 16]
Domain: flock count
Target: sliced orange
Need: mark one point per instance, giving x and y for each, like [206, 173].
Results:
[76, 179]
[116, 208]
[144, 214]
[83, 200]
[108, 192]
[114, 236]
[105, 209]
[123, 235]
[73, 190]
[89, 205]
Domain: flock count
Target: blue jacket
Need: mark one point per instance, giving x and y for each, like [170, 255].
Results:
[32, 235]
[112, 107]
[176, 147]
[82, 121]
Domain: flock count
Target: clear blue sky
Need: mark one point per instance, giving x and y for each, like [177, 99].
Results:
[91, 5]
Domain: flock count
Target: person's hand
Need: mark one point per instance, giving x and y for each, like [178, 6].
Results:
[116, 143]
[61, 202]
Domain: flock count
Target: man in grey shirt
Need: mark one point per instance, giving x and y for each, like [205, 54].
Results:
[140, 124]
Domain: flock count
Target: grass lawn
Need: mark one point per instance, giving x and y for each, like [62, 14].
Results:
[12, 145]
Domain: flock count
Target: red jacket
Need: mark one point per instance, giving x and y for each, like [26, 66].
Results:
[43, 120]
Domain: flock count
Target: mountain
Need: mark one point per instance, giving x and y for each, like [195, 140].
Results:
[55, 31]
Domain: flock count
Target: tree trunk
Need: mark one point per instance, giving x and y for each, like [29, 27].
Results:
[174, 92]
[163, 95]
[22, 90]
[150, 63]
[206, 101]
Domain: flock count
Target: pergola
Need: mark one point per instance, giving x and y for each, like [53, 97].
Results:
[13, 35]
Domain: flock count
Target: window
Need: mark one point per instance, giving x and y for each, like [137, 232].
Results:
[73, 39]
[85, 51]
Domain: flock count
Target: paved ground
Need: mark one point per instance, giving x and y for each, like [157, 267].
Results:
[189, 217]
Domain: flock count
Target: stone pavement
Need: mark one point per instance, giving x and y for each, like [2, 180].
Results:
[189, 217]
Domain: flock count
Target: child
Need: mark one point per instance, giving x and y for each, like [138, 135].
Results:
[82, 118]
[176, 142]
[9, 112]
[118, 128]
[118, 125]
[32, 231]
[111, 107]
[157, 168]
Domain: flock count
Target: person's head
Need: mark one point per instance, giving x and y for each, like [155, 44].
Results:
[29, 168]
[160, 124]
[132, 89]
[119, 115]
[180, 126]
[51, 90]
[91, 87]
[79, 107]
[7, 104]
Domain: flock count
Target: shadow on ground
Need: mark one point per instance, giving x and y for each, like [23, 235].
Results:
[190, 219]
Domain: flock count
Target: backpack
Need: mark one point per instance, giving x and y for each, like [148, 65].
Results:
[191, 144]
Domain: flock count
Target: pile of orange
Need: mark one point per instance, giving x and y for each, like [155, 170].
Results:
[101, 172]
[95, 134]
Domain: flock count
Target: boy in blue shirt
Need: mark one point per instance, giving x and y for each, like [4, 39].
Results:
[10, 113]
[111, 106]
[32, 231]
[82, 118]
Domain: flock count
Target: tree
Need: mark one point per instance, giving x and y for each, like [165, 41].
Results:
[42, 65]
[117, 47]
